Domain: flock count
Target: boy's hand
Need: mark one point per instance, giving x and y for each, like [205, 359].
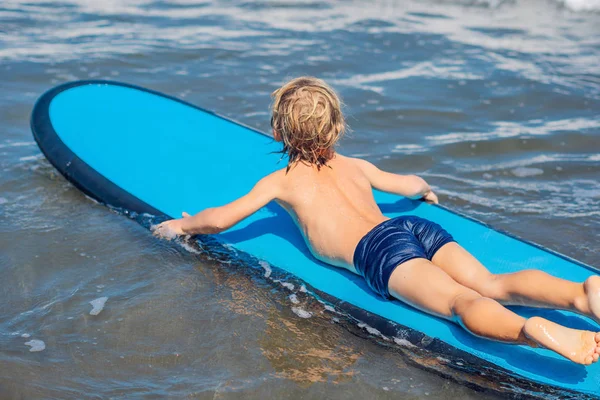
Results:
[430, 198]
[170, 229]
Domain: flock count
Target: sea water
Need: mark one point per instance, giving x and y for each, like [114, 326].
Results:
[495, 103]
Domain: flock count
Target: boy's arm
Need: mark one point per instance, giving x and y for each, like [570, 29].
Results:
[410, 186]
[218, 219]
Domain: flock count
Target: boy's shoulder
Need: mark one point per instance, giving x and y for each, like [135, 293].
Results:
[359, 162]
[275, 178]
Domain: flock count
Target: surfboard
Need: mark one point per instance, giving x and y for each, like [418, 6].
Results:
[148, 153]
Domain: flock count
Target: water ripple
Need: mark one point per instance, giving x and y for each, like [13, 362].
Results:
[494, 102]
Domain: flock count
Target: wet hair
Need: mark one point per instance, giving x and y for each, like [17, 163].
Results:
[307, 114]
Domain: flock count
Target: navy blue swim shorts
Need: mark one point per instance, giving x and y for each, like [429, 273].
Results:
[394, 242]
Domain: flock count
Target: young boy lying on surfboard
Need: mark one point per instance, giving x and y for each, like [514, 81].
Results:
[408, 258]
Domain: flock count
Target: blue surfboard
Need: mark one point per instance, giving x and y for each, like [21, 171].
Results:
[145, 152]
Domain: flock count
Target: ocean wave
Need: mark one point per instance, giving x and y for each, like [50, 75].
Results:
[574, 5]
[582, 5]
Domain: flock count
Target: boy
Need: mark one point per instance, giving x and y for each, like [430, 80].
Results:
[408, 258]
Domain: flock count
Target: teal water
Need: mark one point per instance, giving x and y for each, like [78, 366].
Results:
[495, 103]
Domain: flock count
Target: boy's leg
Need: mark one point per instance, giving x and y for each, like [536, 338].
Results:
[425, 286]
[528, 287]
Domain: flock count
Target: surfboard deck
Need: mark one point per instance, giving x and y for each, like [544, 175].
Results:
[142, 151]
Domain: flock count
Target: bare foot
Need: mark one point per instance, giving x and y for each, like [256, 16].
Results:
[592, 291]
[582, 347]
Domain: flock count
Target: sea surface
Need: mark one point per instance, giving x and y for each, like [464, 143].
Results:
[495, 103]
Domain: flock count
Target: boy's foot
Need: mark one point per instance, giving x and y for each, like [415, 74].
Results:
[592, 291]
[582, 347]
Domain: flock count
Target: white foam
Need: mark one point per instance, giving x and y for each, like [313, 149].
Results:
[36, 345]
[523, 172]
[189, 247]
[303, 289]
[266, 267]
[30, 158]
[25, 335]
[329, 308]
[582, 5]
[98, 305]
[16, 144]
[403, 342]
[3, 200]
[301, 313]
[287, 285]
[294, 299]
[408, 148]
[92, 199]
[370, 329]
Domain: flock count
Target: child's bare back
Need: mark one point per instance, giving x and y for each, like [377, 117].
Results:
[333, 207]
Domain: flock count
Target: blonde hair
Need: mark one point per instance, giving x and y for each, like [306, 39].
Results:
[307, 116]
